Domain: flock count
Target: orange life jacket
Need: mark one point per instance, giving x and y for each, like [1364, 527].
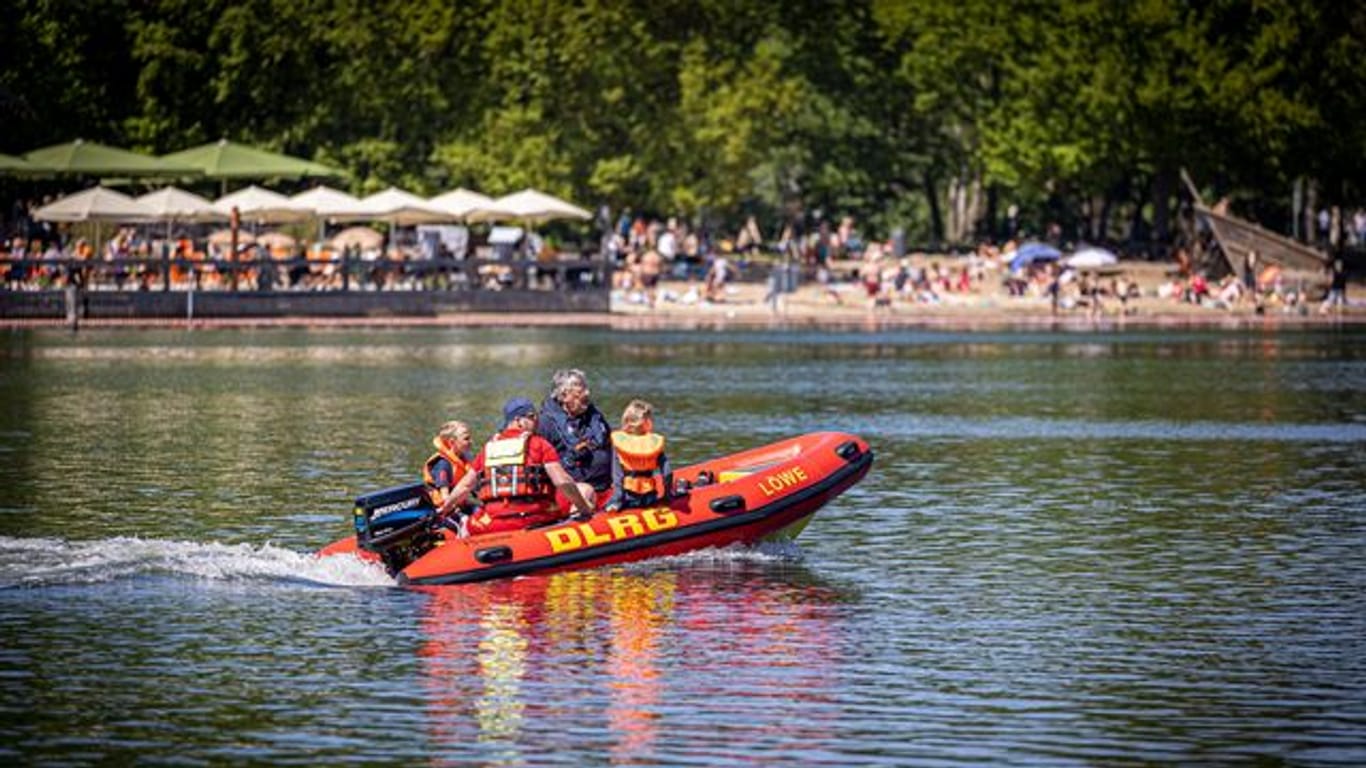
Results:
[639, 458]
[458, 469]
[507, 475]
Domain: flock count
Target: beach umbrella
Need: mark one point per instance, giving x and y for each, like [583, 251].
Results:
[1034, 252]
[530, 206]
[18, 166]
[224, 159]
[1091, 258]
[172, 204]
[262, 206]
[460, 203]
[94, 204]
[175, 204]
[397, 207]
[93, 159]
[325, 201]
[273, 241]
[363, 238]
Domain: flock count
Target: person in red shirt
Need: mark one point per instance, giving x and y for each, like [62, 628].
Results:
[523, 483]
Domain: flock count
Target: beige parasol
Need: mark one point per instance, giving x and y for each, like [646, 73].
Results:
[364, 238]
[530, 206]
[460, 203]
[395, 206]
[94, 204]
[262, 206]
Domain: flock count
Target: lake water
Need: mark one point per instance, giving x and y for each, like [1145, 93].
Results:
[1072, 549]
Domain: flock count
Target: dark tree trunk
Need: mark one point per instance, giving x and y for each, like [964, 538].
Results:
[1164, 182]
[1102, 232]
[988, 224]
[936, 215]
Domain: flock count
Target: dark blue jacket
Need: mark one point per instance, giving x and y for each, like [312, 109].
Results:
[584, 442]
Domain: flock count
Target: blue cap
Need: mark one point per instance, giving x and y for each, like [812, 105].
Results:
[517, 406]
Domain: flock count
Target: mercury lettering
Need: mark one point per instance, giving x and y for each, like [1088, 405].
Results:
[623, 526]
[788, 478]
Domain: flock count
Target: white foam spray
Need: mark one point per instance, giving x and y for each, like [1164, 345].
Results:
[40, 562]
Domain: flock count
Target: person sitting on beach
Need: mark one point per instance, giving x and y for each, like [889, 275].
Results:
[443, 469]
[1230, 292]
[1016, 282]
[1198, 289]
[717, 277]
[521, 481]
[640, 470]
[1091, 294]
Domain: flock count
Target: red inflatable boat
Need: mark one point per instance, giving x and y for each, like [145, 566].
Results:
[747, 497]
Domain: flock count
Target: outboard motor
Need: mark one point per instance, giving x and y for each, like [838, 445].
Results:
[399, 524]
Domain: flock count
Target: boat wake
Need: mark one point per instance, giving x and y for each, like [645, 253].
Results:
[734, 557]
[44, 562]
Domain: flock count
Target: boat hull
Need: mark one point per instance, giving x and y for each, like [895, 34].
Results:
[766, 492]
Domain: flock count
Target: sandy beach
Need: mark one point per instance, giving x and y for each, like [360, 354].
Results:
[987, 306]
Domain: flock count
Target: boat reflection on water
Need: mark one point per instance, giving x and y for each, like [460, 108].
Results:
[637, 647]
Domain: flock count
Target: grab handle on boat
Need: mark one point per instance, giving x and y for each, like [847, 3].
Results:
[848, 450]
[728, 504]
[493, 554]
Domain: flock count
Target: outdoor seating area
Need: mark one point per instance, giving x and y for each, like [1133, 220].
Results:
[254, 238]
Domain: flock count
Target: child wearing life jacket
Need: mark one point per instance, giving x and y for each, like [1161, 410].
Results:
[640, 470]
[451, 461]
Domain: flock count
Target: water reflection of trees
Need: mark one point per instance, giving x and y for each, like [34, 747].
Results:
[511, 669]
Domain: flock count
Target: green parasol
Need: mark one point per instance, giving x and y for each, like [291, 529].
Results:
[89, 158]
[18, 166]
[225, 159]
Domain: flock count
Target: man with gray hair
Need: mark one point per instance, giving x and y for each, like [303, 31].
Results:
[578, 430]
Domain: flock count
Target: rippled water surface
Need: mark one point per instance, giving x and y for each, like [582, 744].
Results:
[1123, 548]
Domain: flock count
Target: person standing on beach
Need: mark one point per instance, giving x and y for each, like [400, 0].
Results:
[1337, 286]
[1054, 287]
[870, 274]
[651, 265]
[1250, 279]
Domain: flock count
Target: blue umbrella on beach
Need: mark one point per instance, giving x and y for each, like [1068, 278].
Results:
[1031, 253]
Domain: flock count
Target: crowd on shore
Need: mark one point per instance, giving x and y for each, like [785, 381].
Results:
[665, 263]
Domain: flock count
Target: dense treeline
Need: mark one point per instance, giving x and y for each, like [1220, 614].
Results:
[942, 116]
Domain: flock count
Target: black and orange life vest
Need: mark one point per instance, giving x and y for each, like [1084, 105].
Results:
[639, 458]
[458, 469]
[507, 476]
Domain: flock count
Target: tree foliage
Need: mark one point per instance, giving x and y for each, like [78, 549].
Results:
[932, 115]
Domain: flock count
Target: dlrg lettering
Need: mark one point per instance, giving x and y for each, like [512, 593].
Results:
[623, 526]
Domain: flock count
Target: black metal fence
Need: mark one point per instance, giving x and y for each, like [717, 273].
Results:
[344, 273]
[331, 287]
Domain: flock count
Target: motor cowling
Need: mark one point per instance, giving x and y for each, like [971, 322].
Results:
[399, 524]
